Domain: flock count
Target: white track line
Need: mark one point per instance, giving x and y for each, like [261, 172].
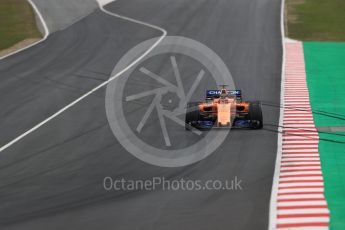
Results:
[305, 211]
[275, 185]
[45, 27]
[99, 86]
[304, 220]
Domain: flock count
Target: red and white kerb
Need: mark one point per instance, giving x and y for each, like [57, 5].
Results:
[300, 200]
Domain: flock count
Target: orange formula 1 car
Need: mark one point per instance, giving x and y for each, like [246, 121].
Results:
[223, 109]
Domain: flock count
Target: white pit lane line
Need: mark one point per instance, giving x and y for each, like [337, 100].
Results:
[101, 5]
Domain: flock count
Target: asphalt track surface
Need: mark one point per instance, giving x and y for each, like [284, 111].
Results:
[59, 14]
[52, 179]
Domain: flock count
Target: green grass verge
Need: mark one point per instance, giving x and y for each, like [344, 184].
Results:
[315, 20]
[332, 156]
[17, 22]
[325, 67]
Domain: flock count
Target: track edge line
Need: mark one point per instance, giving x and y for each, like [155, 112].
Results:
[272, 222]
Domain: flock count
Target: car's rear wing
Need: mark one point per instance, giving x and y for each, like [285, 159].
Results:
[216, 93]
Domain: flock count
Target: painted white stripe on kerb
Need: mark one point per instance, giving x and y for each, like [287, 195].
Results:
[304, 211]
[301, 155]
[294, 159]
[99, 86]
[299, 126]
[297, 110]
[292, 141]
[297, 162]
[317, 196]
[301, 203]
[300, 158]
[299, 140]
[300, 184]
[295, 97]
[300, 137]
[300, 168]
[300, 173]
[293, 190]
[303, 220]
[300, 147]
[299, 150]
[300, 123]
[304, 134]
[306, 178]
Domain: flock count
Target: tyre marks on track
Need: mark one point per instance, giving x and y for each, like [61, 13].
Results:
[300, 200]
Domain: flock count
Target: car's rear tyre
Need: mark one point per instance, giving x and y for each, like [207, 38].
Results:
[192, 114]
[255, 115]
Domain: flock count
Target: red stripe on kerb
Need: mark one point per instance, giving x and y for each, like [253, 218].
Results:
[300, 124]
[299, 225]
[297, 161]
[301, 207]
[300, 175]
[306, 143]
[300, 135]
[298, 157]
[300, 181]
[298, 170]
[310, 186]
[287, 153]
[301, 199]
[301, 165]
[283, 216]
[301, 148]
[302, 130]
[300, 139]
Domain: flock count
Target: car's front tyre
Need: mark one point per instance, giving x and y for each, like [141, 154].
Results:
[255, 115]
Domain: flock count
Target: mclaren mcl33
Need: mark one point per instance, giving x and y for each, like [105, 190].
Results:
[223, 109]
